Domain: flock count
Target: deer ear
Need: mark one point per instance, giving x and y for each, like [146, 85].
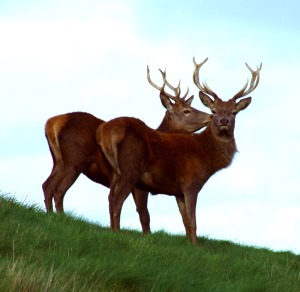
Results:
[190, 100]
[205, 99]
[243, 103]
[166, 102]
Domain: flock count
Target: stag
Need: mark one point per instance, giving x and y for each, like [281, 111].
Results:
[72, 141]
[173, 164]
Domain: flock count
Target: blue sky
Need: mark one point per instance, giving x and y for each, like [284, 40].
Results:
[63, 56]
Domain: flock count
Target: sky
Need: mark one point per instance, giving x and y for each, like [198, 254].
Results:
[62, 56]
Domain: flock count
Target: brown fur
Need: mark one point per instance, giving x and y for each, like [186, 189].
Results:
[71, 139]
[172, 164]
[73, 146]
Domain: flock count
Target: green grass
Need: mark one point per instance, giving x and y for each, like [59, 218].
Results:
[40, 252]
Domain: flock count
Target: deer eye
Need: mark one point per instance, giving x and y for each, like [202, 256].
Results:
[186, 112]
[213, 112]
[234, 113]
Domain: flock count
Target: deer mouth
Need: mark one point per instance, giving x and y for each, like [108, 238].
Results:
[206, 122]
[224, 128]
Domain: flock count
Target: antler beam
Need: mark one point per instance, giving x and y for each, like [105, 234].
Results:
[203, 87]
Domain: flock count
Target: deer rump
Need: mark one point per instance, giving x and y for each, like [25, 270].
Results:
[71, 139]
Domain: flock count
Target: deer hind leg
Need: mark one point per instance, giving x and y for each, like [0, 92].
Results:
[130, 165]
[48, 194]
[49, 186]
[182, 208]
[141, 201]
[118, 194]
[122, 192]
[67, 179]
[113, 181]
[56, 186]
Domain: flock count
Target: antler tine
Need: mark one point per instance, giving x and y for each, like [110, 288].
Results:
[164, 75]
[253, 83]
[162, 88]
[150, 81]
[196, 73]
[187, 92]
[255, 77]
[176, 90]
[203, 87]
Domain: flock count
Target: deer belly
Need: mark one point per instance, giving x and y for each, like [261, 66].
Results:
[160, 183]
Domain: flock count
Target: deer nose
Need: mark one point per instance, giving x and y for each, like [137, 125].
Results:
[224, 122]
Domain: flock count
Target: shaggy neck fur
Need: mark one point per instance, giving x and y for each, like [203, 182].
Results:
[220, 151]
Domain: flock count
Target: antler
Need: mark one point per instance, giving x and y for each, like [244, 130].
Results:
[253, 83]
[176, 90]
[203, 87]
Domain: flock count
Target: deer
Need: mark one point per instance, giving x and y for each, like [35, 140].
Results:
[72, 142]
[174, 164]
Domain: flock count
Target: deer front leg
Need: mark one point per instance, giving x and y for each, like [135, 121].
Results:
[182, 208]
[190, 202]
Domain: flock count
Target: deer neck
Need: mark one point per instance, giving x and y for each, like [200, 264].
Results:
[219, 150]
[169, 126]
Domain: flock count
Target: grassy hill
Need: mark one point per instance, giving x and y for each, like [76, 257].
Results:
[40, 252]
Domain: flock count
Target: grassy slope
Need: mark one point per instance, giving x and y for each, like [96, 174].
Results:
[61, 253]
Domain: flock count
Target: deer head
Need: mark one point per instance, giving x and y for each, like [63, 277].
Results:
[224, 112]
[180, 115]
